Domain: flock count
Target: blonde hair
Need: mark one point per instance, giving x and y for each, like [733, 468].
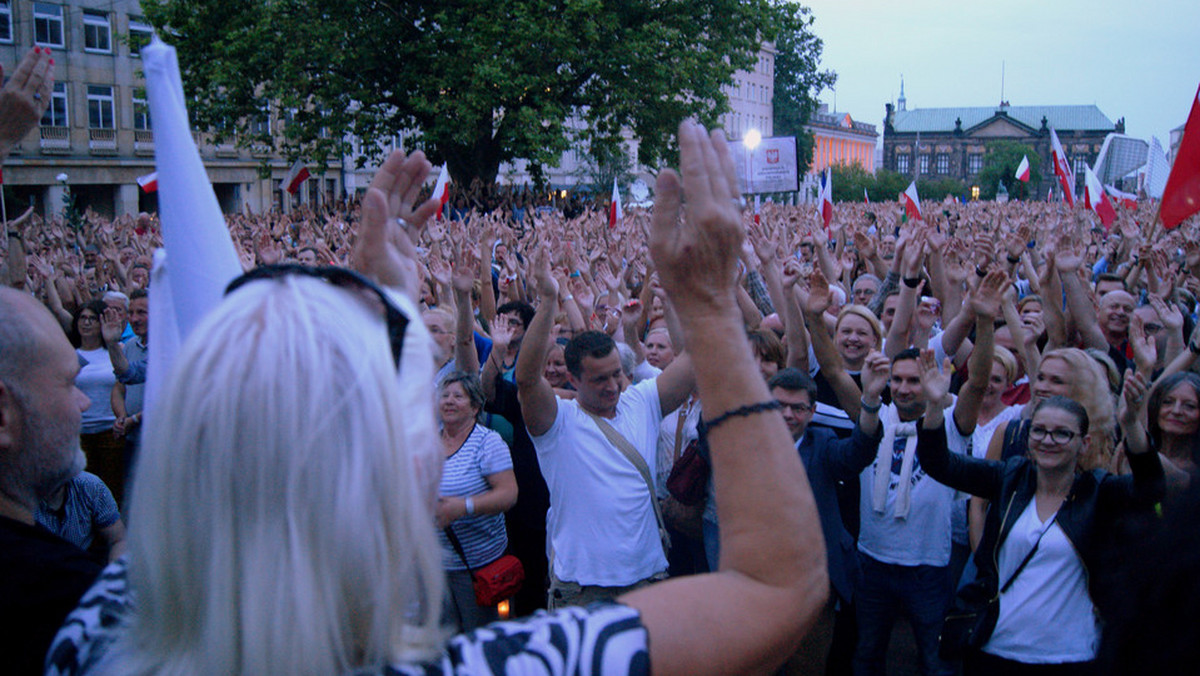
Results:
[282, 516]
[1090, 388]
[867, 315]
[1005, 358]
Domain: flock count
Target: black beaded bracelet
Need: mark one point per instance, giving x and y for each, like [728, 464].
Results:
[980, 272]
[743, 411]
[1013, 259]
[912, 282]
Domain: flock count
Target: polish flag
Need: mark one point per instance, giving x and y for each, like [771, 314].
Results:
[827, 198]
[441, 190]
[614, 207]
[1181, 197]
[1023, 170]
[1062, 169]
[866, 197]
[296, 177]
[149, 182]
[1097, 199]
[1126, 199]
[912, 202]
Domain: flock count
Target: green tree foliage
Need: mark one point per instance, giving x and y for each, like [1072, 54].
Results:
[1000, 164]
[475, 82]
[798, 80]
[850, 180]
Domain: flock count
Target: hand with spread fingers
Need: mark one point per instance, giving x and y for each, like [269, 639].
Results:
[25, 97]
[392, 220]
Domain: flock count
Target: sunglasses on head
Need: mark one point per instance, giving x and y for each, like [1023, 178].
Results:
[342, 278]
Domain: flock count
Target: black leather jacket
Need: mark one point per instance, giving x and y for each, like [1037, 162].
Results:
[1087, 517]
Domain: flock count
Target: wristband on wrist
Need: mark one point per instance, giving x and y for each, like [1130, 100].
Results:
[870, 408]
[912, 282]
[1013, 259]
[743, 412]
[470, 506]
[980, 272]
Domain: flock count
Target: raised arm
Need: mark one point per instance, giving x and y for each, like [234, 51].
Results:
[985, 305]
[539, 407]
[764, 502]
[978, 477]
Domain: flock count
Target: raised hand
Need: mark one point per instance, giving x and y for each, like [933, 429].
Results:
[391, 218]
[112, 325]
[1133, 399]
[819, 298]
[876, 371]
[985, 301]
[1144, 347]
[25, 96]
[935, 382]
[547, 286]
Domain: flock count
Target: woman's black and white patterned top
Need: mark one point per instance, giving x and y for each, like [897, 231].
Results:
[604, 638]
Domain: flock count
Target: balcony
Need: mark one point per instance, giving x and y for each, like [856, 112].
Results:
[55, 139]
[102, 141]
[143, 142]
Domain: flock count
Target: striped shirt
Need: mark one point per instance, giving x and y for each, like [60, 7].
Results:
[88, 506]
[465, 473]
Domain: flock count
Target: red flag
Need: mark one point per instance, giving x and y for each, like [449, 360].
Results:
[827, 197]
[441, 191]
[1181, 198]
[866, 197]
[912, 202]
[296, 177]
[1062, 169]
[614, 207]
[1096, 199]
[1023, 170]
[149, 182]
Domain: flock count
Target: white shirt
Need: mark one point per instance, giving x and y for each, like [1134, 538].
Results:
[1046, 616]
[924, 537]
[601, 526]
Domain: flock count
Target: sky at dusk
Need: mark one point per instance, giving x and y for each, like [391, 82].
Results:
[1137, 60]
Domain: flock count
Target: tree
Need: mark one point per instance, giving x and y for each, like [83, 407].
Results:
[474, 82]
[798, 81]
[1000, 164]
[849, 181]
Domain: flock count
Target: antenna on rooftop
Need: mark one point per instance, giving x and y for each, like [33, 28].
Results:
[1001, 82]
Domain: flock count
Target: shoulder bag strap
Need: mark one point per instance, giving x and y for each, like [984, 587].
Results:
[1028, 556]
[616, 439]
[458, 548]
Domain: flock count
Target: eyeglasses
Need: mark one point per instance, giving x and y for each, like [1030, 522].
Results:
[87, 319]
[1151, 328]
[797, 408]
[1057, 436]
[396, 322]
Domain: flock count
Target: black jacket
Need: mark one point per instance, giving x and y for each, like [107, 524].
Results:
[1088, 516]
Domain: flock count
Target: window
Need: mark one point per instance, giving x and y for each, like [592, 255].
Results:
[902, 164]
[100, 107]
[974, 163]
[141, 111]
[97, 34]
[1080, 166]
[56, 112]
[261, 124]
[5, 21]
[48, 25]
[943, 163]
[923, 162]
[139, 35]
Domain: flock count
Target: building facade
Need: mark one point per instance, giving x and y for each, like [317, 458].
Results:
[935, 143]
[98, 130]
[839, 139]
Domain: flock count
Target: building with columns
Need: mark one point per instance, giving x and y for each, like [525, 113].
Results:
[839, 139]
[98, 129]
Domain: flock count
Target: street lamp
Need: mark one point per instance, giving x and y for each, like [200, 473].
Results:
[752, 139]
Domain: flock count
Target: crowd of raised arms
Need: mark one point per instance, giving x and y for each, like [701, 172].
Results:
[662, 419]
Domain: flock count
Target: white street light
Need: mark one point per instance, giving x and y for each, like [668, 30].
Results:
[752, 139]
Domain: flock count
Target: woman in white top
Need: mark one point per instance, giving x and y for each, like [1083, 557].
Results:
[105, 452]
[1045, 530]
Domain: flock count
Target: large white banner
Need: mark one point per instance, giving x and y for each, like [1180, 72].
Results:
[768, 167]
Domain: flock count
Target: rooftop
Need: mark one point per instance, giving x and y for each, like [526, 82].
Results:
[1073, 118]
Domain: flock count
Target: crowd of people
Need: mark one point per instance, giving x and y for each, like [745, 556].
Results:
[993, 407]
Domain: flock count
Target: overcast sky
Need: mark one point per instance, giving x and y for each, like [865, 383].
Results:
[1137, 59]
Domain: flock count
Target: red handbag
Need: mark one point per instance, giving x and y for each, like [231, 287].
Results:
[499, 580]
[688, 479]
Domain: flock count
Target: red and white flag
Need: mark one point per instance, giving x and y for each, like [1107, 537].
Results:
[912, 202]
[441, 190]
[827, 198]
[296, 177]
[149, 182]
[1181, 197]
[1126, 199]
[866, 197]
[1023, 170]
[614, 207]
[1062, 169]
[1097, 199]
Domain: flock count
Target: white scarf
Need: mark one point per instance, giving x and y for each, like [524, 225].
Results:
[893, 428]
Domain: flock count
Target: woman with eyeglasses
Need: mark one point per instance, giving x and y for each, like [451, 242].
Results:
[1046, 531]
[105, 452]
[283, 520]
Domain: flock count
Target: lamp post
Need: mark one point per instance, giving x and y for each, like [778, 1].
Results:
[751, 140]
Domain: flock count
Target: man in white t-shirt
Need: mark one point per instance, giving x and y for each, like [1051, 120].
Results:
[603, 533]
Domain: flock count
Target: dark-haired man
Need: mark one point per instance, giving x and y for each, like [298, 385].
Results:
[604, 535]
